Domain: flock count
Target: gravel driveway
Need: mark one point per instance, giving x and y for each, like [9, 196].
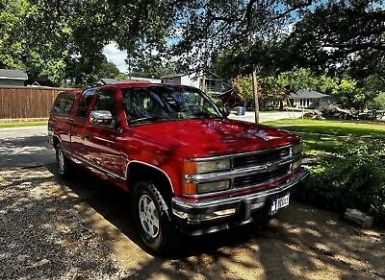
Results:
[52, 228]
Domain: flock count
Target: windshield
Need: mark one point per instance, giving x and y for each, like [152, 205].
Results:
[166, 102]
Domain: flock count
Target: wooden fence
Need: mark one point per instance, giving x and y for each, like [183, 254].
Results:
[18, 102]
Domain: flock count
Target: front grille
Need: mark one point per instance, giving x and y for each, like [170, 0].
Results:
[260, 158]
[255, 179]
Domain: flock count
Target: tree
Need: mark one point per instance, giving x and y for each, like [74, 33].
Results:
[152, 66]
[190, 30]
[346, 91]
[243, 88]
[65, 39]
[339, 36]
[12, 14]
[379, 102]
[18, 50]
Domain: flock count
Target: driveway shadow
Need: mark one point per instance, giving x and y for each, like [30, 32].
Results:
[302, 242]
[27, 151]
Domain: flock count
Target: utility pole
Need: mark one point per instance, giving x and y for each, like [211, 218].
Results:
[256, 99]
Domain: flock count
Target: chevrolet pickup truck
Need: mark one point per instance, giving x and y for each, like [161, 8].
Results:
[187, 167]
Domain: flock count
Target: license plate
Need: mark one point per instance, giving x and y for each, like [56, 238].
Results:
[280, 202]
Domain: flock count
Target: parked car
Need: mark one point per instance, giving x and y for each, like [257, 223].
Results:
[189, 169]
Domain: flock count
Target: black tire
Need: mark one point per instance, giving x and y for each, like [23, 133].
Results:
[64, 165]
[166, 238]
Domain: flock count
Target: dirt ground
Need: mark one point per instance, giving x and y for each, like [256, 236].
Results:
[52, 228]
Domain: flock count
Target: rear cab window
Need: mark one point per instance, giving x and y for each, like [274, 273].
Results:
[64, 103]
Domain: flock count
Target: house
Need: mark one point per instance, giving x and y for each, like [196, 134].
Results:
[211, 83]
[308, 99]
[12, 77]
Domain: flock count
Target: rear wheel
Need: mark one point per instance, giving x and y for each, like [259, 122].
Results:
[152, 218]
[63, 163]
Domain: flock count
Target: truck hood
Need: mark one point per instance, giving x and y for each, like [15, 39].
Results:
[211, 137]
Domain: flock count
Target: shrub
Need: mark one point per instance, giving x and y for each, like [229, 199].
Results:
[352, 177]
[379, 101]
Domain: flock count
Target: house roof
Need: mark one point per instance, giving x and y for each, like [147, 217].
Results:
[7, 74]
[305, 93]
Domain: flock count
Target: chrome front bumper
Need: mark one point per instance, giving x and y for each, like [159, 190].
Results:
[242, 206]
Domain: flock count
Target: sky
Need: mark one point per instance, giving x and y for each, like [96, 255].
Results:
[116, 56]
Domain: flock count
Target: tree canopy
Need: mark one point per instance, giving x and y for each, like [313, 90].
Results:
[339, 36]
[65, 39]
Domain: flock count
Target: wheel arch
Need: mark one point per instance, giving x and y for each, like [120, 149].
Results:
[137, 170]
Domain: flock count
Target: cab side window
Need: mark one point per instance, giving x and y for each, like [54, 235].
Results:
[105, 101]
[85, 102]
[64, 103]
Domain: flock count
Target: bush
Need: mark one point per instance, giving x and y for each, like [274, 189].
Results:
[353, 177]
[379, 102]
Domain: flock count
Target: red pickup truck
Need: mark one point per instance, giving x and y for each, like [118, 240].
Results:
[187, 167]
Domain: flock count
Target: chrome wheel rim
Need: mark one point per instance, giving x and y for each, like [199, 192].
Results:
[148, 216]
[60, 160]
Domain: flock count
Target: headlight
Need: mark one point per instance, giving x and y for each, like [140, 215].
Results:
[192, 168]
[199, 167]
[213, 186]
[297, 149]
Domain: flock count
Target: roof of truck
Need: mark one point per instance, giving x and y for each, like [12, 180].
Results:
[129, 84]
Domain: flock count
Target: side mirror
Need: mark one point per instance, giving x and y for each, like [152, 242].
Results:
[225, 112]
[100, 117]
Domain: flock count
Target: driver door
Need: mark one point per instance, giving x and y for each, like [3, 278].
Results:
[105, 151]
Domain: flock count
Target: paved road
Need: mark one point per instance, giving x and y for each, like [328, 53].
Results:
[267, 116]
[25, 147]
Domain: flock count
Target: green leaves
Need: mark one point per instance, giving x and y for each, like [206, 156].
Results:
[340, 36]
[352, 176]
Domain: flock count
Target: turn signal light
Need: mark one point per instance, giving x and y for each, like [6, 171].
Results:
[189, 188]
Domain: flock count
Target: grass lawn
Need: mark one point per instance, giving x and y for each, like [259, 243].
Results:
[341, 128]
[331, 136]
[9, 124]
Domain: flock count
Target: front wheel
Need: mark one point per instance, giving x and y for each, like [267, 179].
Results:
[152, 218]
